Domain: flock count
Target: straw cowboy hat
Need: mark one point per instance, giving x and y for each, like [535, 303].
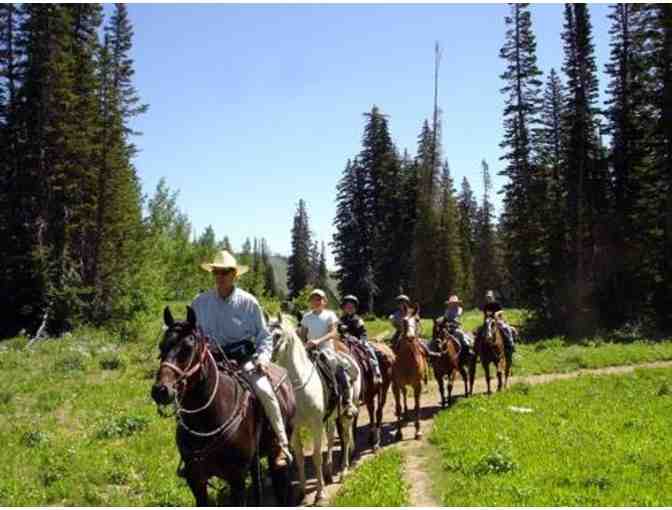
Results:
[453, 299]
[224, 260]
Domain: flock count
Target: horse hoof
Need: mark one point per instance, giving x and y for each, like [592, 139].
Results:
[398, 436]
[375, 447]
[418, 435]
[328, 478]
[318, 498]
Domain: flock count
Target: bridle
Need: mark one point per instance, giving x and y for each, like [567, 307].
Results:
[184, 376]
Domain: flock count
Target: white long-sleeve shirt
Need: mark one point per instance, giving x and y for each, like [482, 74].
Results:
[238, 317]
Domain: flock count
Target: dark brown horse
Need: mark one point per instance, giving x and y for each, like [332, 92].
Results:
[409, 368]
[489, 347]
[221, 431]
[372, 395]
[451, 362]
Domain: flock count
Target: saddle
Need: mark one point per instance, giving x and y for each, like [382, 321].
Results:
[328, 381]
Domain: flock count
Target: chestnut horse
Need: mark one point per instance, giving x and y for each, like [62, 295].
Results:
[490, 348]
[409, 368]
[451, 362]
[372, 395]
[221, 431]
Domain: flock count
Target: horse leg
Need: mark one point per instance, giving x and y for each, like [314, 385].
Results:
[237, 485]
[417, 391]
[403, 393]
[316, 431]
[486, 369]
[472, 375]
[371, 408]
[346, 446]
[499, 379]
[299, 461]
[451, 380]
[397, 405]
[329, 464]
[439, 380]
[199, 488]
[465, 378]
[281, 482]
[379, 412]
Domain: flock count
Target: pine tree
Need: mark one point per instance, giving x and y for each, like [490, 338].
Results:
[299, 263]
[485, 258]
[550, 151]
[352, 239]
[626, 114]
[449, 256]
[468, 213]
[521, 204]
[426, 264]
[585, 190]
[379, 162]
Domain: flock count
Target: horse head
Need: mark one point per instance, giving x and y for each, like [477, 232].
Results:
[490, 330]
[282, 334]
[182, 355]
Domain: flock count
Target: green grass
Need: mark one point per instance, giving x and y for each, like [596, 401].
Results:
[79, 427]
[590, 441]
[378, 481]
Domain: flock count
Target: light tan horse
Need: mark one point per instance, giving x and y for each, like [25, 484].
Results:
[410, 367]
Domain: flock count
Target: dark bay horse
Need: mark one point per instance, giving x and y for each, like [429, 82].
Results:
[372, 395]
[451, 362]
[221, 431]
[489, 347]
[409, 368]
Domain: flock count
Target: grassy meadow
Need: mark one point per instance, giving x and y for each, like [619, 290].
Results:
[79, 427]
[590, 441]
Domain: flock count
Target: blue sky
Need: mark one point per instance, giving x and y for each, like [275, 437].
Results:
[255, 106]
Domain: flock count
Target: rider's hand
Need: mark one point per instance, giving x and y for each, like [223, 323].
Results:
[262, 366]
[311, 344]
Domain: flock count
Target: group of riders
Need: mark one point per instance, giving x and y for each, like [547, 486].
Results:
[228, 315]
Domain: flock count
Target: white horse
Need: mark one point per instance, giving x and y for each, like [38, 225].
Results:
[311, 406]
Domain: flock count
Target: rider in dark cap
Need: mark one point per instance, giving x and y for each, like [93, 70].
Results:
[353, 325]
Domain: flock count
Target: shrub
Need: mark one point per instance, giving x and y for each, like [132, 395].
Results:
[123, 426]
[113, 362]
[69, 363]
[34, 438]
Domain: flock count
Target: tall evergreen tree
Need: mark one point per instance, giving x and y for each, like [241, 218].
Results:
[448, 243]
[468, 214]
[486, 275]
[586, 187]
[299, 263]
[380, 163]
[521, 203]
[626, 114]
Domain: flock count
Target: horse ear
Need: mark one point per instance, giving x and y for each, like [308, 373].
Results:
[279, 317]
[168, 317]
[416, 308]
[191, 316]
[266, 317]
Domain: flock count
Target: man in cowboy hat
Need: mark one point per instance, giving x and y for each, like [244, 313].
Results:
[228, 314]
[452, 319]
[320, 328]
[353, 325]
[494, 309]
[396, 319]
